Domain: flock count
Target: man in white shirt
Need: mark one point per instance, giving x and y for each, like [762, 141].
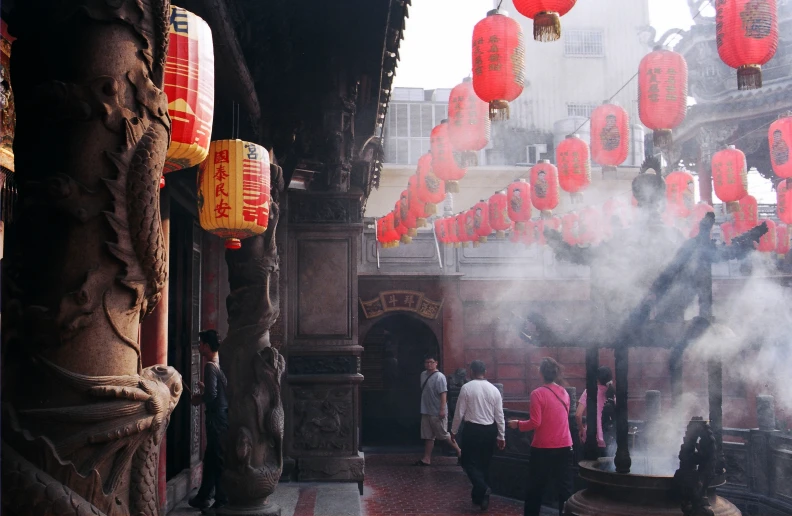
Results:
[480, 406]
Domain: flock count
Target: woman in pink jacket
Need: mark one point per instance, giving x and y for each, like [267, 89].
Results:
[551, 448]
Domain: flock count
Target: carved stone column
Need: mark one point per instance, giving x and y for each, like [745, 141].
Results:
[254, 445]
[82, 419]
[324, 356]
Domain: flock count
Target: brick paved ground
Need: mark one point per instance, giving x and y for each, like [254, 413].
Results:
[394, 486]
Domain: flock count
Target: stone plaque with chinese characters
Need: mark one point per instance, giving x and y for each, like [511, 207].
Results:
[401, 301]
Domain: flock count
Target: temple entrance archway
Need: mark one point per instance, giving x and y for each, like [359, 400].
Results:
[392, 361]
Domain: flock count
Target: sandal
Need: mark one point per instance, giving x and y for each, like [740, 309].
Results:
[421, 463]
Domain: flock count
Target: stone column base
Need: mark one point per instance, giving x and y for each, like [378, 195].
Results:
[331, 469]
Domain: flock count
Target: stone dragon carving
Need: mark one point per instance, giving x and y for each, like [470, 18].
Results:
[83, 422]
[254, 456]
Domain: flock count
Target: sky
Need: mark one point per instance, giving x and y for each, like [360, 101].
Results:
[433, 55]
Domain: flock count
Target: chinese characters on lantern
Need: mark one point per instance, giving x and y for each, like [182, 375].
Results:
[255, 187]
[222, 207]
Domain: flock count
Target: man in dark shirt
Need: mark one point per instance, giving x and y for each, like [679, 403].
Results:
[212, 393]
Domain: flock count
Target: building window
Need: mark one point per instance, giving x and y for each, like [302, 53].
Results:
[583, 43]
[583, 110]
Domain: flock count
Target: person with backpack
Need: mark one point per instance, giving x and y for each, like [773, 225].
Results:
[212, 393]
[551, 448]
[606, 408]
[434, 410]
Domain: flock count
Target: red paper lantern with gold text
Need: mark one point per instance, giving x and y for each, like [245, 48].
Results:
[730, 175]
[784, 201]
[780, 138]
[444, 165]
[544, 187]
[234, 191]
[398, 224]
[662, 93]
[727, 228]
[518, 195]
[469, 125]
[408, 218]
[380, 233]
[589, 226]
[471, 233]
[610, 135]
[431, 190]
[569, 227]
[747, 216]
[747, 37]
[498, 62]
[389, 234]
[700, 211]
[481, 220]
[574, 165]
[680, 192]
[546, 16]
[783, 237]
[499, 214]
[441, 231]
[552, 223]
[768, 242]
[454, 237]
[462, 232]
[417, 207]
[189, 85]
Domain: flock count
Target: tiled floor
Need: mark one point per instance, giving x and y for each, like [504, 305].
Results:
[394, 486]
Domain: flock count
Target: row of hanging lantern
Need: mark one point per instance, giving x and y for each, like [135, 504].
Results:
[234, 176]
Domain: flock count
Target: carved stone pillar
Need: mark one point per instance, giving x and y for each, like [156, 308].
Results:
[323, 418]
[82, 420]
[254, 443]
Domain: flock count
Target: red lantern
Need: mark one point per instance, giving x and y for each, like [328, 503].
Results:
[398, 224]
[389, 233]
[680, 191]
[553, 223]
[461, 220]
[409, 220]
[569, 228]
[747, 37]
[729, 174]
[662, 93]
[518, 195]
[444, 165]
[499, 214]
[768, 242]
[441, 231]
[700, 211]
[189, 84]
[453, 231]
[481, 220]
[780, 138]
[610, 135]
[782, 240]
[727, 228]
[544, 187]
[431, 189]
[416, 206]
[471, 234]
[380, 233]
[747, 216]
[784, 201]
[469, 125]
[546, 16]
[516, 233]
[498, 62]
[574, 166]
[589, 226]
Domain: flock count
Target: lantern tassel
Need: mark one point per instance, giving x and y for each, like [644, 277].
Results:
[233, 243]
[500, 234]
[476, 244]
[430, 208]
[547, 26]
[499, 110]
[412, 232]
[520, 226]
[452, 186]
[421, 222]
[483, 240]
[406, 239]
[466, 159]
[662, 138]
[749, 77]
[546, 214]
[733, 207]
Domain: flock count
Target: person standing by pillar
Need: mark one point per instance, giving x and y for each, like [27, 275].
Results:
[480, 406]
[551, 448]
[434, 410]
[213, 395]
[605, 391]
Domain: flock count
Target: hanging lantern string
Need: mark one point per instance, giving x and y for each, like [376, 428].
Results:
[678, 32]
[499, 4]
[762, 127]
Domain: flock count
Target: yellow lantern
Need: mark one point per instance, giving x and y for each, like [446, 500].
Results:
[189, 84]
[234, 191]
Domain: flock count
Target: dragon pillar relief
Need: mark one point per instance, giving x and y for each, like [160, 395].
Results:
[254, 450]
[85, 260]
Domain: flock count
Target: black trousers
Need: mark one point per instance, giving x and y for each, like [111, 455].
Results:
[548, 466]
[213, 463]
[478, 445]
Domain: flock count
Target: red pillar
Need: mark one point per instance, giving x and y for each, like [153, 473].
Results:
[154, 341]
[453, 328]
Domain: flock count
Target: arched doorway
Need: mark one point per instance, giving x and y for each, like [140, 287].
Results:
[392, 362]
